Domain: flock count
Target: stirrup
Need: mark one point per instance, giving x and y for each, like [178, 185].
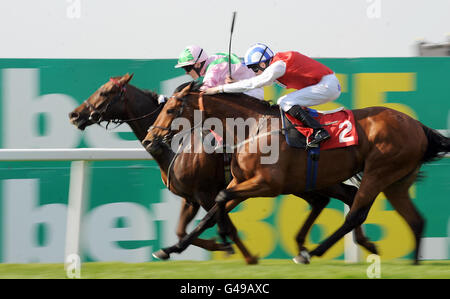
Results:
[318, 139]
[310, 145]
[314, 143]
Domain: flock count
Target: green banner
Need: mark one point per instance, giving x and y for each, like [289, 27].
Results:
[131, 213]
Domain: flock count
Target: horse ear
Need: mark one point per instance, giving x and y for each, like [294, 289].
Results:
[191, 85]
[186, 90]
[126, 78]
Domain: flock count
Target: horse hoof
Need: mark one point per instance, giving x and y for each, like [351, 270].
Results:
[372, 248]
[161, 255]
[253, 260]
[228, 248]
[302, 258]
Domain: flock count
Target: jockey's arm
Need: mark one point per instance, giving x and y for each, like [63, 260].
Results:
[212, 77]
[229, 80]
[270, 74]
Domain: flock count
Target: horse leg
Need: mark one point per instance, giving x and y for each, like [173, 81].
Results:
[346, 194]
[362, 203]
[398, 196]
[211, 245]
[187, 213]
[207, 222]
[229, 198]
[233, 234]
[318, 203]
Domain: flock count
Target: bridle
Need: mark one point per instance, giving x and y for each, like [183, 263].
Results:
[168, 137]
[97, 113]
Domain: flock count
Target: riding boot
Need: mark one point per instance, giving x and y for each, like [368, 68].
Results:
[319, 133]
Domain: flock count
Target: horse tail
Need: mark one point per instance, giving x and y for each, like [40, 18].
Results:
[438, 145]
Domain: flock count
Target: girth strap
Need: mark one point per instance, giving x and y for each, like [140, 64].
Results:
[311, 168]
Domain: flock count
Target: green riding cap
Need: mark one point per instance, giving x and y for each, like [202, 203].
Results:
[191, 55]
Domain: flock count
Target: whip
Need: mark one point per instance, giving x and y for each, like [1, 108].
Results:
[229, 45]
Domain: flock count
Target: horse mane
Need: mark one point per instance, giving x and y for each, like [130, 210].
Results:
[195, 87]
[242, 99]
[149, 94]
[264, 107]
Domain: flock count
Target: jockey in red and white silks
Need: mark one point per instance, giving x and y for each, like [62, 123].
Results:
[315, 83]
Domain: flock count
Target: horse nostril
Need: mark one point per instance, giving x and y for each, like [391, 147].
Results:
[146, 143]
[74, 115]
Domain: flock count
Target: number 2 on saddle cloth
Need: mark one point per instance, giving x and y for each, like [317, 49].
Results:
[339, 123]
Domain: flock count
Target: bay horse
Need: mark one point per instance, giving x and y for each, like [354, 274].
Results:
[119, 102]
[392, 147]
[317, 199]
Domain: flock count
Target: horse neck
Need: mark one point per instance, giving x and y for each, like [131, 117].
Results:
[223, 108]
[139, 104]
[164, 159]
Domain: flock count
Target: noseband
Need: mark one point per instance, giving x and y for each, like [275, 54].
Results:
[168, 137]
[100, 112]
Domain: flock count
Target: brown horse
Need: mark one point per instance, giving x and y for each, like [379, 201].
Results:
[119, 102]
[317, 199]
[392, 147]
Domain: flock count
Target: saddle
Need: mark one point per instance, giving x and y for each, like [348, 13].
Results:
[340, 124]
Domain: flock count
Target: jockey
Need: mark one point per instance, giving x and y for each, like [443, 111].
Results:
[214, 69]
[315, 83]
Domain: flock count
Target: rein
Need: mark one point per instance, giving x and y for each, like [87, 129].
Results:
[137, 118]
[122, 95]
[179, 112]
[167, 138]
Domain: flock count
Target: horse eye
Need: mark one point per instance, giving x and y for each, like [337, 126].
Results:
[170, 111]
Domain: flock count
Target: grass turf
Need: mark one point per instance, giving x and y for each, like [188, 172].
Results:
[266, 269]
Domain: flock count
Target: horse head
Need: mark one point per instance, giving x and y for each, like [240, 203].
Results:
[161, 132]
[104, 104]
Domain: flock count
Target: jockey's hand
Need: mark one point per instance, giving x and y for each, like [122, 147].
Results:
[162, 99]
[213, 90]
[229, 80]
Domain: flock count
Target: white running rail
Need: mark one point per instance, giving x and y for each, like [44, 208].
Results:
[79, 179]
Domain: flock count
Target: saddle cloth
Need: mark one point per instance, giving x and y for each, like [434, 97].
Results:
[339, 123]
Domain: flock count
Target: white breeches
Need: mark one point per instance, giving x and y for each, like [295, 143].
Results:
[328, 89]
